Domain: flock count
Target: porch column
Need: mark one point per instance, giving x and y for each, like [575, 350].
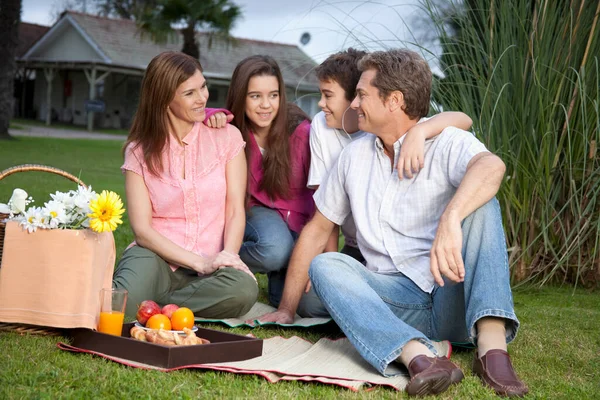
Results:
[49, 73]
[91, 77]
[92, 81]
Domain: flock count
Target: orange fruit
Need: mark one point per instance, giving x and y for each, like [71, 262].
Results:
[183, 317]
[159, 321]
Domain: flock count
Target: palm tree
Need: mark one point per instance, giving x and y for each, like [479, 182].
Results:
[215, 16]
[10, 17]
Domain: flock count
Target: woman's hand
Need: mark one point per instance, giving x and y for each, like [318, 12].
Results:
[224, 259]
[412, 151]
[218, 120]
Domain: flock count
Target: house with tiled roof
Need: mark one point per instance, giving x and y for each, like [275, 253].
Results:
[89, 69]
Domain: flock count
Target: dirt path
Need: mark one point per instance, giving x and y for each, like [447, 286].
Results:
[44, 131]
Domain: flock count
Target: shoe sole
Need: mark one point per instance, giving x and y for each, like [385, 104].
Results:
[436, 384]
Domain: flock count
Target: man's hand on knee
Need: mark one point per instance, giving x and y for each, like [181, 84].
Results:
[446, 257]
[279, 316]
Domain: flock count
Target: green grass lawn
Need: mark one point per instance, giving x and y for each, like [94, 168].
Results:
[557, 351]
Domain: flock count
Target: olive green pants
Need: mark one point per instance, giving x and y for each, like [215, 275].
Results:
[226, 293]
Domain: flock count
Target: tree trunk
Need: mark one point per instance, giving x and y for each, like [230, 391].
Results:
[10, 16]
[190, 46]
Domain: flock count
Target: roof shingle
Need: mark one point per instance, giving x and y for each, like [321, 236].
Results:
[126, 46]
[28, 35]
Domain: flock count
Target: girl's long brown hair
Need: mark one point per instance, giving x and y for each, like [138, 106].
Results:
[276, 163]
[150, 129]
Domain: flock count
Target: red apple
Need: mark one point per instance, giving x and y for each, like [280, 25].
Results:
[169, 309]
[147, 309]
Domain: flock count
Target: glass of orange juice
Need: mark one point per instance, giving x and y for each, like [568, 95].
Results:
[112, 311]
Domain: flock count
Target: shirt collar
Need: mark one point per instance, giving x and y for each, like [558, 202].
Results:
[191, 137]
[177, 146]
[397, 144]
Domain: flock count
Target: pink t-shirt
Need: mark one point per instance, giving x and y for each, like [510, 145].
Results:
[191, 211]
[299, 208]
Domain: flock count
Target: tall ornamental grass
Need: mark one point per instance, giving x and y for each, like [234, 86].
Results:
[528, 73]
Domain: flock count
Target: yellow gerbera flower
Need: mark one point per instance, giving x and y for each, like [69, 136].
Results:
[107, 209]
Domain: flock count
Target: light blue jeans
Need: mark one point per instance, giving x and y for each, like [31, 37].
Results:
[268, 245]
[380, 313]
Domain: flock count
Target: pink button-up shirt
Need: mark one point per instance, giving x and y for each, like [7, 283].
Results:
[191, 211]
[299, 208]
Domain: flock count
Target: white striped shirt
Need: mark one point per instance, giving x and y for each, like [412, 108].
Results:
[326, 144]
[396, 220]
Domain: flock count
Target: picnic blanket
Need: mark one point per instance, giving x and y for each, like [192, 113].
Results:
[259, 309]
[328, 361]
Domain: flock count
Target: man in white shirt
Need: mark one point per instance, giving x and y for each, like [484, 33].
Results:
[436, 261]
[336, 126]
[332, 129]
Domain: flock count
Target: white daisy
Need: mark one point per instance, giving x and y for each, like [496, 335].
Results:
[57, 214]
[82, 198]
[43, 218]
[65, 198]
[29, 220]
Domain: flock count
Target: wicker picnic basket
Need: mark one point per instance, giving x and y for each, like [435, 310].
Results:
[23, 328]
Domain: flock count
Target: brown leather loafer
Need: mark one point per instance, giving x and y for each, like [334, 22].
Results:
[431, 375]
[496, 371]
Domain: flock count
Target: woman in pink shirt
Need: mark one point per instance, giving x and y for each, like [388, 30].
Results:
[278, 153]
[185, 185]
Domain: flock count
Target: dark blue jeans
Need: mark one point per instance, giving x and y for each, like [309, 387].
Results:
[380, 313]
[268, 245]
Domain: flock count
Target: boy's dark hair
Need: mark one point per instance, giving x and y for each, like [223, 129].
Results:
[342, 68]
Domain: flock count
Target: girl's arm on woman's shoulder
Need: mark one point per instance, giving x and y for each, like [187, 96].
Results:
[217, 117]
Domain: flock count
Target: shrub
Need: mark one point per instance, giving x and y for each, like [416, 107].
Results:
[528, 74]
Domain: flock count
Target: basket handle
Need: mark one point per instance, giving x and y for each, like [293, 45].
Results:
[42, 168]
